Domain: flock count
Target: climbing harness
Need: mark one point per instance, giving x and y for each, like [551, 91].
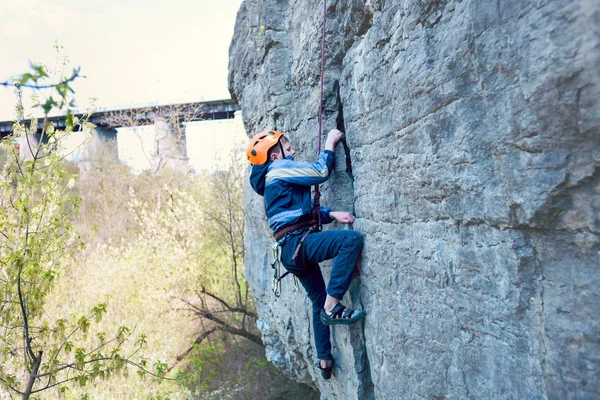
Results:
[277, 277]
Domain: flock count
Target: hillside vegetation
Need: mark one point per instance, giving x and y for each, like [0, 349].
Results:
[163, 251]
[115, 285]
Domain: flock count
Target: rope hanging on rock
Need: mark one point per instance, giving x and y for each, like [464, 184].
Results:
[317, 202]
[277, 277]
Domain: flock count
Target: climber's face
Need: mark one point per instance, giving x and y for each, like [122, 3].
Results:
[282, 149]
[286, 146]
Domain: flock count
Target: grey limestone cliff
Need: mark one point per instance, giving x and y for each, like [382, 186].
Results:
[473, 168]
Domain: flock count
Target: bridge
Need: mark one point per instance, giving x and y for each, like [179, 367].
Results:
[143, 115]
[169, 129]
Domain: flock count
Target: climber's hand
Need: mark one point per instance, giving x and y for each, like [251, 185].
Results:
[342, 216]
[333, 137]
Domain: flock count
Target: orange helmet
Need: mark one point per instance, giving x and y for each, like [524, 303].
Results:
[259, 146]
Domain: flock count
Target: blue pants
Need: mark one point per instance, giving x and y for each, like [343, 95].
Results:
[345, 246]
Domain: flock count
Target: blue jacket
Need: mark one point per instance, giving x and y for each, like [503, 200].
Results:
[285, 185]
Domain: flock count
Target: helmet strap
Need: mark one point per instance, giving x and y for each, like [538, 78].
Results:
[281, 148]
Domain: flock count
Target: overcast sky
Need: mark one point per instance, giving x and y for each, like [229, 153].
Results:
[131, 51]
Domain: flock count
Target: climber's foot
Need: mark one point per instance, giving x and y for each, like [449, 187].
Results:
[341, 315]
[325, 366]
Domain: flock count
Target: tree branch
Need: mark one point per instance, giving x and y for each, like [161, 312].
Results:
[22, 302]
[229, 308]
[198, 340]
[10, 387]
[72, 366]
[74, 76]
[49, 386]
[232, 329]
[66, 340]
[33, 375]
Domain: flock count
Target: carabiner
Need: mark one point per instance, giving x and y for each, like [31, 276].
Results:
[276, 265]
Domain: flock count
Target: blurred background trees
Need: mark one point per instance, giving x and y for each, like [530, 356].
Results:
[38, 241]
[94, 269]
[167, 250]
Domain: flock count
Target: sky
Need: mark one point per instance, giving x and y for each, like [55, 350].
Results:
[209, 144]
[131, 52]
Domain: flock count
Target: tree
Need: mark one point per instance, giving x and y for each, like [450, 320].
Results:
[224, 304]
[37, 236]
[194, 231]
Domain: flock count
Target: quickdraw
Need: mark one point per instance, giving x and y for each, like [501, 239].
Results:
[277, 277]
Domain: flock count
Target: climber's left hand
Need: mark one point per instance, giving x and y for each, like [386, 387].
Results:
[342, 216]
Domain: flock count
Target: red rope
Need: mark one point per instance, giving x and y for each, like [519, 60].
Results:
[322, 74]
[317, 202]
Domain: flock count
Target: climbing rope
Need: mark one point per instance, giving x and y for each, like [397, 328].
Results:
[317, 202]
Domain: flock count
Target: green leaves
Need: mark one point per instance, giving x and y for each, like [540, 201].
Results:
[10, 379]
[83, 379]
[122, 333]
[142, 373]
[68, 347]
[40, 70]
[26, 77]
[62, 89]
[181, 375]
[49, 104]
[60, 327]
[38, 73]
[38, 203]
[101, 337]
[80, 355]
[36, 237]
[98, 311]
[142, 341]
[84, 324]
[160, 368]
[70, 121]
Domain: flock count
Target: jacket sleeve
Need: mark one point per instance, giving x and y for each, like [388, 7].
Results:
[303, 173]
[325, 218]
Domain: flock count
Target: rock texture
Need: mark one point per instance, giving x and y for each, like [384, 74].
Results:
[473, 132]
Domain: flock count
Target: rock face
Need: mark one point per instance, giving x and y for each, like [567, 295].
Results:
[473, 133]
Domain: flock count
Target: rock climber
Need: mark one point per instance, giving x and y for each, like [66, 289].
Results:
[285, 185]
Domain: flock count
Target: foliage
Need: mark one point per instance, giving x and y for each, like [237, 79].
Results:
[154, 244]
[36, 206]
[165, 250]
[195, 231]
[225, 304]
[237, 369]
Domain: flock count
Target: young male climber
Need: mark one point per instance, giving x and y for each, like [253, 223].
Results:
[285, 185]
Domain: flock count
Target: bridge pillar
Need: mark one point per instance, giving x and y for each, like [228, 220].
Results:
[103, 144]
[170, 150]
[27, 145]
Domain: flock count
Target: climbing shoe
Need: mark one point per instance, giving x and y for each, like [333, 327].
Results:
[341, 315]
[325, 372]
